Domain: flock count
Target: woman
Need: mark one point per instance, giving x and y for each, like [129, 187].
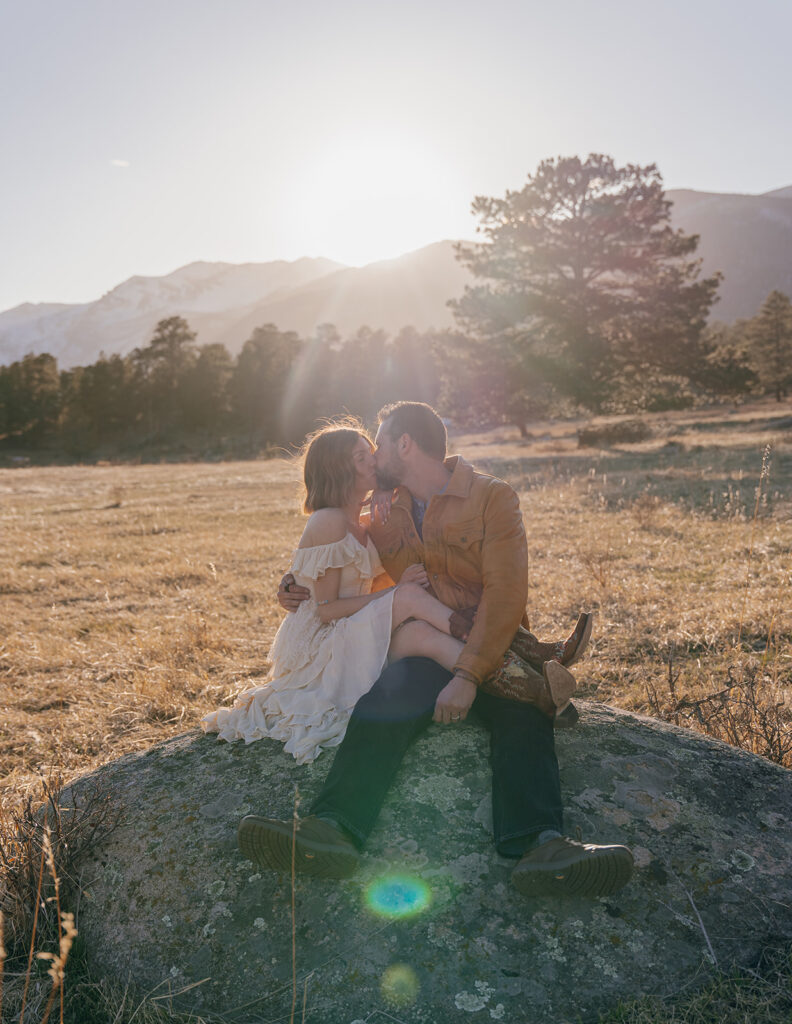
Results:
[331, 650]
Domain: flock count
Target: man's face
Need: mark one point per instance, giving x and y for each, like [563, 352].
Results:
[390, 468]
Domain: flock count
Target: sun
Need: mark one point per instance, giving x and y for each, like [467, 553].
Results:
[365, 199]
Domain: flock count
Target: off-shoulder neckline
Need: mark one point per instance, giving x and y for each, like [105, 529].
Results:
[349, 533]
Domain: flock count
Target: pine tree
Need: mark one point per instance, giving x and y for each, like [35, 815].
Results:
[260, 384]
[161, 369]
[586, 290]
[770, 339]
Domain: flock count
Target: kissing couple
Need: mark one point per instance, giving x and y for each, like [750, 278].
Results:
[411, 614]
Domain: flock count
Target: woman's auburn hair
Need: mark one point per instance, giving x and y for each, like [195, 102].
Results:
[328, 470]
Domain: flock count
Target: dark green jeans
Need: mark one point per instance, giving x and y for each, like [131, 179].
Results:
[526, 794]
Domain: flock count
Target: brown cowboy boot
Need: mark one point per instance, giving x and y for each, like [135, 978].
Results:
[549, 690]
[528, 647]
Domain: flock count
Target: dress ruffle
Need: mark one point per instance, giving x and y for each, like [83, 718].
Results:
[320, 670]
[311, 563]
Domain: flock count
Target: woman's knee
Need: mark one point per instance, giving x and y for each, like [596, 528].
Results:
[412, 639]
[406, 599]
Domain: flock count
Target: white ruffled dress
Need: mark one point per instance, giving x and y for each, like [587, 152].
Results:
[319, 670]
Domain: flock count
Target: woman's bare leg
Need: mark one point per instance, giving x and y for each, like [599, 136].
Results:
[412, 602]
[419, 639]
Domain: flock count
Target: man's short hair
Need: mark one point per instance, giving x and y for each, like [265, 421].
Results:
[420, 421]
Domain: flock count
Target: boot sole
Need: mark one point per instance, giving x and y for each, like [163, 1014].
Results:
[595, 874]
[561, 684]
[269, 844]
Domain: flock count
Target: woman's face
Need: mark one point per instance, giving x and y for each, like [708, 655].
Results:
[365, 465]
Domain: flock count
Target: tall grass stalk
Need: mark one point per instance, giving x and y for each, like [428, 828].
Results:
[32, 939]
[66, 935]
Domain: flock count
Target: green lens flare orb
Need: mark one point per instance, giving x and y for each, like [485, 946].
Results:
[398, 896]
[399, 984]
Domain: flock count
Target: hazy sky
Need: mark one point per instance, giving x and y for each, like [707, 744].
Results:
[139, 136]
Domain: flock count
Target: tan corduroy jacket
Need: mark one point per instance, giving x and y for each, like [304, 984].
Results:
[475, 553]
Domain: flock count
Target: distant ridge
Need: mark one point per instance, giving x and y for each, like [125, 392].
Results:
[783, 193]
[411, 290]
[747, 237]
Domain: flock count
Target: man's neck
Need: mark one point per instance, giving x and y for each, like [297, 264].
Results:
[427, 480]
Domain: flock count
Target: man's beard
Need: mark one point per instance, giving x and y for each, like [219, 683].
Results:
[389, 477]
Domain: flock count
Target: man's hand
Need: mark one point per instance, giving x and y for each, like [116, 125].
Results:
[290, 594]
[461, 623]
[454, 700]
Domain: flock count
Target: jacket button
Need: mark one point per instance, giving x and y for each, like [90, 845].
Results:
[434, 576]
[464, 540]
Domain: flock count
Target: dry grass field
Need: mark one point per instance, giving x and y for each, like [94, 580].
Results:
[137, 598]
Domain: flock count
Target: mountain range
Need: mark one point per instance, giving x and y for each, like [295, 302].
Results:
[747, 237]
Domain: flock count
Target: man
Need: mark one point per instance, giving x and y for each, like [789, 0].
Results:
[467, 530]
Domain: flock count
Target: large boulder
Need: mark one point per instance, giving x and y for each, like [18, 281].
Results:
[429, 930]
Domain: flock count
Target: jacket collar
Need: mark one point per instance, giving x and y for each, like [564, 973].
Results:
[461, 476]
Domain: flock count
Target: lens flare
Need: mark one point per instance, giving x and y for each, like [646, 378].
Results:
[399, 984]
[398, 896]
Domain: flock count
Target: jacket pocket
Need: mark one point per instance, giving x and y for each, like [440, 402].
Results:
[464, 535]
[462, 543]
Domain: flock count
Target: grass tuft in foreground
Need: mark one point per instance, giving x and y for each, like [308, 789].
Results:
[762, 996]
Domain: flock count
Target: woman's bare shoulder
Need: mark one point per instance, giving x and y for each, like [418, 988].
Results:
[325, 526]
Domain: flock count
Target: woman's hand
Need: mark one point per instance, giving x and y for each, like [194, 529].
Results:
[415, 574]
[380, 503]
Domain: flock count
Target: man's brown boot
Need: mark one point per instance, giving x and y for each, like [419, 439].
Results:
[564, 867]
[549, 690]
[528, 647]
[320, 848]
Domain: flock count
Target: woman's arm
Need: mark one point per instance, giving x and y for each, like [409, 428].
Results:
[335, 607]
[331, 606]
[326, 527]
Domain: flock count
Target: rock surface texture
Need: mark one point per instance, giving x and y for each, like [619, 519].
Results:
[170, 903]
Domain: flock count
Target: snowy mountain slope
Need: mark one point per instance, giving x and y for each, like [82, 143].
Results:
[204, 293]
[29, 312]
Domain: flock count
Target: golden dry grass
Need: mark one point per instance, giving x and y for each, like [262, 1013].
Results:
[134, 598]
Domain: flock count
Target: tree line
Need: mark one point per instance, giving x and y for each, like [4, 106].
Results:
[174, 393]
[584, 298]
